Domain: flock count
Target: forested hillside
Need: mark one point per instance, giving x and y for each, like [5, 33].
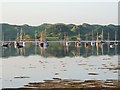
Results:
[58, 31]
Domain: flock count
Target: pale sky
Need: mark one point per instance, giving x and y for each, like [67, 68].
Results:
[36, 13]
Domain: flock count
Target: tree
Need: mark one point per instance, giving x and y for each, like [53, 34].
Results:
[27, 37]
[74, 29]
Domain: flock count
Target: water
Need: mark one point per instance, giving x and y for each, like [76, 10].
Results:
[38, 64]
[59, 50]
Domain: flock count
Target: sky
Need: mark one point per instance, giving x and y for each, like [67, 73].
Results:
[72, 11]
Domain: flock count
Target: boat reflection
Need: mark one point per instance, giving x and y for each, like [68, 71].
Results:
[58, 49]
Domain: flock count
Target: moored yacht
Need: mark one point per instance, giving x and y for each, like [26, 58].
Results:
[78, 42]
[66, 42]
[42, 43]
[102, 38]
[20, 43]
[5, 44]
[92, 43]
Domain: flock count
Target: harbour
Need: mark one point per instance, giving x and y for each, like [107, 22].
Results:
[67, 62]
[59, 46]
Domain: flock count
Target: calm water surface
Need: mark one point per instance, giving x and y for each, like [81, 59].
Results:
[38, 64]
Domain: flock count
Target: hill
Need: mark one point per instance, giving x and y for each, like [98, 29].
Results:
[58, 31]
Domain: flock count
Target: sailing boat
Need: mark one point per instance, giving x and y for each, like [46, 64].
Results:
[43, 43]
[115, 43]
[86, 43]
[66, 43]
[108, 43]
[66, 40]
[97, 44]
[78, 42]
[20, 43]
[5, 44]
[36, 43]
[102, 37]
[111, 45]
[92, 43]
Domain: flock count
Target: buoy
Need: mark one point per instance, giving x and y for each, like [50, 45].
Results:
[92, 43]
[111, 46]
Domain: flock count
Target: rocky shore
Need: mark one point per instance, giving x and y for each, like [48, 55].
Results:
[67, 84]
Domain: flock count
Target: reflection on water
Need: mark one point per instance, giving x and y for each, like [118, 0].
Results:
[59, 50]
[69, 62]
[37, 68]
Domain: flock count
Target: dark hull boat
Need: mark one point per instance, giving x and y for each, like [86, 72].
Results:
[102, 42]
[86, 44]
[19, 44]
[92, 43]
[116, 43]
[43, 44]
[7, 45]
[67, 43]
[77, 43]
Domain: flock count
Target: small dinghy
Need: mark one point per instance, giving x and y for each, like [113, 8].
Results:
[92, 43]
[19, 44]
[78, 43]
[5, 44]
[116, 43]
[86, 44]
[67, 43]
[111, 46]
[43, 44]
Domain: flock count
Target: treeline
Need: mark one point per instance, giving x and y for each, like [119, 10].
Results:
[58, 31]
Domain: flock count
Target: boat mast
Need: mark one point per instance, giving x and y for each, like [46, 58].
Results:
[21, 35]
[65, 37]
[45, 34]
[97, 44]
[2, 36]
[35, 36]
[102, 44]
[108, 38]
[108, 42]
[24, 37]
[41, 35]
[92, 36]
[18, 37]
[97, 36]
[86, 43]
[102, 34]
[115, 43]
[97, 40]
[78, 36]
[92, 42]
[115, 36]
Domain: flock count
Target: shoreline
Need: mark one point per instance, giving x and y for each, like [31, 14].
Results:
[67, 84]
